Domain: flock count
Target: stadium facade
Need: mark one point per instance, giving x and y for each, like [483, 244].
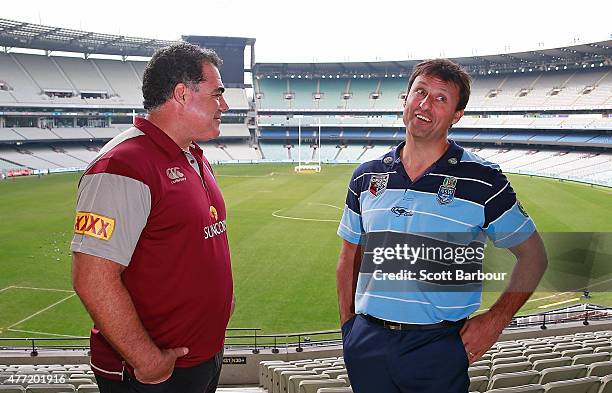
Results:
[546, 112]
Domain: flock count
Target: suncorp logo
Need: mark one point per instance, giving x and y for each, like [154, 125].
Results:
[175, 175]
[215, 229]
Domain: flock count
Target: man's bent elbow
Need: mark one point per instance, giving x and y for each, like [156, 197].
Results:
[77, 279]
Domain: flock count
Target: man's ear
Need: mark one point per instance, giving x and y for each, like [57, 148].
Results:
[180, 93]
[458, 115]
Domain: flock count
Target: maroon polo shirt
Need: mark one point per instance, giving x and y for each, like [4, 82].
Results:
[150, 206]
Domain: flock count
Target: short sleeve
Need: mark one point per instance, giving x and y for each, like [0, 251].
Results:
[112, 211]
[507, 223]
[351, 226]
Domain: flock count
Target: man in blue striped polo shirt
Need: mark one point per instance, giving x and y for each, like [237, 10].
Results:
[414, 229]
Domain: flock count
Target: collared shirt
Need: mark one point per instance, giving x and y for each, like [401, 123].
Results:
[148, 205]
[459, 194]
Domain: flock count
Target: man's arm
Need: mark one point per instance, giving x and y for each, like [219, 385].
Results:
[97, 281]
[481, 332]
[347, 273]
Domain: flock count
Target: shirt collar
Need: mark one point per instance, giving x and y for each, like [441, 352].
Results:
[159, 137]
[451, 157]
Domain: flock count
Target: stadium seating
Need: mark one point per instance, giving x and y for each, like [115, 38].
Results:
[234, 130]
[59, 80]
[509, 366]
[273, 94]
[243, 152]
[555, 374]
[525, 91]
[303, 90]
[486, 375]
[332, 91]
[542, 373]
[519, 378]
[274, 152]
[535, 388]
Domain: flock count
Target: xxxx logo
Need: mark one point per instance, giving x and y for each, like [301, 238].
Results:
[94, 225]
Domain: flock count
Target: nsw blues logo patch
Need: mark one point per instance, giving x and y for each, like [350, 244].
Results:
[378, 184]
[446, 192]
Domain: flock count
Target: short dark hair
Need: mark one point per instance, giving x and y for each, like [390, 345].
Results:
[169, 66]
[448, 71]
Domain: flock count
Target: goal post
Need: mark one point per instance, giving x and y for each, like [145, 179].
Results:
[307, 165]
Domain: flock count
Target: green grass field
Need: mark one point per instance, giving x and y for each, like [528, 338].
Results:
[282, 230]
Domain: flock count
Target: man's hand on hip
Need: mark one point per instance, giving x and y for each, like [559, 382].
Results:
[480, 333]
[345, 319]
[160, 369]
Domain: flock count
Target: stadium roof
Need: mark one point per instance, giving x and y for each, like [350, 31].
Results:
[577, 56]
[32, 36]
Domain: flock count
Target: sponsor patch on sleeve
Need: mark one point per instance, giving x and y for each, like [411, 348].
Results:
[94, 225]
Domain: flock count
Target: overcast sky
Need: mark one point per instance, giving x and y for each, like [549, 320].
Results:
[331, 30]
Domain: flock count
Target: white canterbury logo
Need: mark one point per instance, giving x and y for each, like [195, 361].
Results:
[175, 174]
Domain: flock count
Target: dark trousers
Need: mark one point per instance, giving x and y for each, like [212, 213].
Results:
[404, 361]
[202, 378]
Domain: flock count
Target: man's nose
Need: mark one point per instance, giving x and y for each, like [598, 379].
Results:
[224, 106]
[424, 104]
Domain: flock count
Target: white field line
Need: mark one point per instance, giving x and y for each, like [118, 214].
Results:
[35, 332]
[4, 289]
[43, 310]
[599, 283]
[42, 289]
[248, 176]
[562, 302]
[275, 214]
[565, 293]
[325, 204]
[547, 297]
[534, 300]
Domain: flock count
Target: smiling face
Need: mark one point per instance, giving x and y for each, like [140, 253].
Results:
[204, 105]
[430, 109]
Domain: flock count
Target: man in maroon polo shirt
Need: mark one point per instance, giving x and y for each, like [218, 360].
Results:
[151, 259]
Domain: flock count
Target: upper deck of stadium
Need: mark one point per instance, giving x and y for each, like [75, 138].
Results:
[555, 99]
[571, 78]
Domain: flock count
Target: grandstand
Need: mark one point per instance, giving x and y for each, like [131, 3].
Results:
[546, 112]
[57, 111]
[542, 113]
[552, 104]
[569, 357]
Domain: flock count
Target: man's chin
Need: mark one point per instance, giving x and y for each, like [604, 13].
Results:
[209, 135]
[418, 132]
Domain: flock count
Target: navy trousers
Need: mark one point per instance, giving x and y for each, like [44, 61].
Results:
[202, 378]
[380, 360]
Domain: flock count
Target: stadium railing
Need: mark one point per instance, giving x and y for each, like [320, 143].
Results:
[251, 339]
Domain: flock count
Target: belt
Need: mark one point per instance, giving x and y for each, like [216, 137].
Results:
[410, 326]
